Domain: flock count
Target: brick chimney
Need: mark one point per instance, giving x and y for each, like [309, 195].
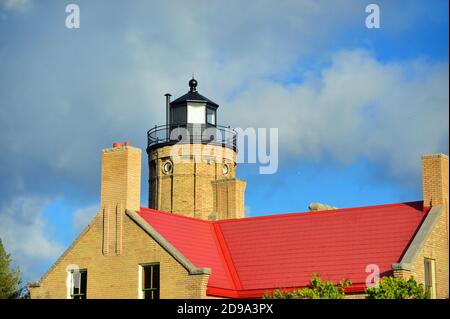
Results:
[120, 190]
[435, 179]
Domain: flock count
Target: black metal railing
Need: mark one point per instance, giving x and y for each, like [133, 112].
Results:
[193, 134]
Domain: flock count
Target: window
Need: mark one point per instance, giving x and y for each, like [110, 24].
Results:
[196, 113]
[211, 116]
[225, 169]
[430, 277]
[150, 281]
[153, 182]
[167, 167]
[178, 115]
[78, 284]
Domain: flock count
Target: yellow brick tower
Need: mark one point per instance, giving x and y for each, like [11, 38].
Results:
[192, 161]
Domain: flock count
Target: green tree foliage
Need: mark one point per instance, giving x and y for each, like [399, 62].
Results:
[397, 288]
[9, 279]
[317, 289]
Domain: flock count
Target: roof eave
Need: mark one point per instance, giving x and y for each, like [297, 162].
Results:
[356, 288]
[419, 239]
[167, 246]
[183, 102]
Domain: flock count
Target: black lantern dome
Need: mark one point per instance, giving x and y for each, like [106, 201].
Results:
[193, 96]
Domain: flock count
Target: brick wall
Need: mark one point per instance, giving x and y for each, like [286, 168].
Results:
[436, 246]
[229, 198]
[435, 179]
[117, 276]
[121, 177]
[188, 189]
[112, 247]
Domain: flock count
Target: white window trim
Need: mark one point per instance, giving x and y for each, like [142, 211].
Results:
[69, 283]
[140, 292]
[433, 278]
[432, 274]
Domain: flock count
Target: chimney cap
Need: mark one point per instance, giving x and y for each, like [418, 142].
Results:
[127, 143]
[315, 206]
[117, 144]
[434, 155]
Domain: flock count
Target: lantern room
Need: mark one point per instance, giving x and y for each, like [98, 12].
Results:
[191, 118]
[191, 109]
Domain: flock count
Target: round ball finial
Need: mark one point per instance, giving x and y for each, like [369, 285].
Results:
[193, 84]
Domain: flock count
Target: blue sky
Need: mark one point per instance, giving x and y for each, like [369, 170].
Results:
[355, 107]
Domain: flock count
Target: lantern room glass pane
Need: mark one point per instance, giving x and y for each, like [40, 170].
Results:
[178, 115]
[196, 113]
[211, 116]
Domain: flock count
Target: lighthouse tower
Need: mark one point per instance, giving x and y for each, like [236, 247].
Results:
[192, 161]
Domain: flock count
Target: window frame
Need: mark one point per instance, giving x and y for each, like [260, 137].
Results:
[79, 295]
[196, 113]
[142, 289]
[429, 270]
[178, 115]
[225, 169]
[167, 172]
[214, 112]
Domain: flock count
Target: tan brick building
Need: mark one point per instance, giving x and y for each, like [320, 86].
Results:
[194, 242]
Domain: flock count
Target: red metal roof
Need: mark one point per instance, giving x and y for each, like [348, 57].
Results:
[250, 256]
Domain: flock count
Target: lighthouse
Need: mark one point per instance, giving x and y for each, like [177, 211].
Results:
[192, 161]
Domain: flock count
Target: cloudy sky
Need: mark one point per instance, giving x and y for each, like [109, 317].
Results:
[355, 107]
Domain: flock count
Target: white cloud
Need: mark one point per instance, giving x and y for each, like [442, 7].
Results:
[82, 216]
[85, 92]
[25, 233]
[17, 5]
[389, 113]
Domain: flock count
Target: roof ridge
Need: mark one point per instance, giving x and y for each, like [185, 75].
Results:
[174, 215]
[226, 256]
[320, 212]
[308, 213]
